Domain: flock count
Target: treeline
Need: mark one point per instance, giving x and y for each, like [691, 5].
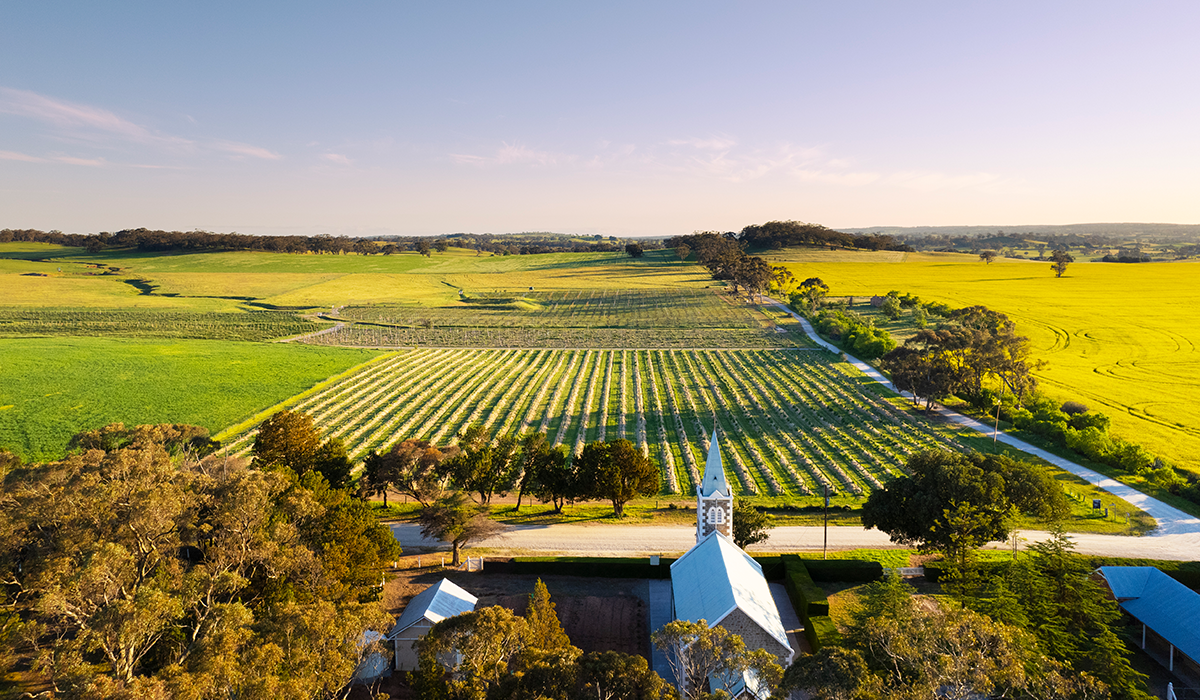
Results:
[146, 565]
[161, 241]
[775, 235]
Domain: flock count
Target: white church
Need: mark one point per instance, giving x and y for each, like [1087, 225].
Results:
[718, 582]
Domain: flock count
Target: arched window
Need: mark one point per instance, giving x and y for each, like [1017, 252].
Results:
[716, 515]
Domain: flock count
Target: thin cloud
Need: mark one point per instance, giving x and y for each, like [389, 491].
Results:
[70, 160]
[244, 149]
[512, 154]
[336, 158]
[87, 123]
[13, 155]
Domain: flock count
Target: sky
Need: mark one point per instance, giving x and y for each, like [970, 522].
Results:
[618, 118]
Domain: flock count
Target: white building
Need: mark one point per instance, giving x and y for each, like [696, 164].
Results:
[432, 605]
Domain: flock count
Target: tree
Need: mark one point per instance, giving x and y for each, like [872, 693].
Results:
[783, 282]
[332, 461]
[634, 250]
[485, 642]
[750, 525]
[482, 466]
[150, 574]
[618, 472]
[698, 653]
[611, 675]
[423, 247]
[988, 256]
[456, 520]
[286, 440]
[1059, 260]
[545, 472]
[544, 631]
[952, 502]
[682, 251]
[441, 245]
[890, 307]
[810, 293]
[417, 471]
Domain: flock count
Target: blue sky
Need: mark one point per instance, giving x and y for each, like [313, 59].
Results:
[617, 118]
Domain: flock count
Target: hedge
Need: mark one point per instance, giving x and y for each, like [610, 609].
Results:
[807, 597]
[850, 570]
[821, 631]
[589, 567]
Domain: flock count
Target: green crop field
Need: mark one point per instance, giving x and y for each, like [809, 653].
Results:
[52, 388]
[1121, 338]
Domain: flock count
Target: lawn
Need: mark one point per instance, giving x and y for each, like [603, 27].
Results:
[1120, 338]
[55, 387]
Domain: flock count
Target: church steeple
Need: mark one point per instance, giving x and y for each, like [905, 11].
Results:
[714, 500]
[714, 471]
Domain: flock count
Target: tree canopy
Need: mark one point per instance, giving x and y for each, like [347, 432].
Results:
[616, 471]
[950, 501]
[144, 573]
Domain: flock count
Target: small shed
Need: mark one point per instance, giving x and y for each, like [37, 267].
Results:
[441, 600]
[1168, 611]
[718, 582]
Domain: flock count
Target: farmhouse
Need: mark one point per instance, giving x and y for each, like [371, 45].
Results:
[434, 604]
[1168, 611]
[718, 582]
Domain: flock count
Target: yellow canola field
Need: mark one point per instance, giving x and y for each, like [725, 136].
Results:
[1121, 338]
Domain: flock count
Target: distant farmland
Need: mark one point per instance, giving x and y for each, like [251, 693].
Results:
[1121, 338]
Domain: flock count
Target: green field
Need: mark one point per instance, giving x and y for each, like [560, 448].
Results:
[51, 388]
[1120, 338]
[220, 280]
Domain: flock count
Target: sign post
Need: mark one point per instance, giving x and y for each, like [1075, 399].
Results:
[825, 547]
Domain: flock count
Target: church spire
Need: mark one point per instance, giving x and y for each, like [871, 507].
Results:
[714, 471]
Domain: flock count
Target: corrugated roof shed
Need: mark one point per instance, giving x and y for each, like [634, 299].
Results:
[1165, 605]
[716, 576]
[442, 600]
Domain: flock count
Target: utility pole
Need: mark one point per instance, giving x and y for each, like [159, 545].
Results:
[825, 547]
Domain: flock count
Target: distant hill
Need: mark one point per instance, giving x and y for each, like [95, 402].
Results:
[1157, 232]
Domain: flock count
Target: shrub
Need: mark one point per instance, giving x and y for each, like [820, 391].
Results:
[1072, 408]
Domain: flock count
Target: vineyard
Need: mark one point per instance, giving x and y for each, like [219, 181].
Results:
[373, 336]
[152, 323]
[587, 318]
[790, 420]
[579, 308]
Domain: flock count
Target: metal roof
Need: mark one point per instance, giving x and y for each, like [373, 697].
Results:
[1165, 605]
[441, 600]
[715, 577]
[714, 471]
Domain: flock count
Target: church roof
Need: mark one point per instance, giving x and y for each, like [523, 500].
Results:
[716, 577]
[714, 471]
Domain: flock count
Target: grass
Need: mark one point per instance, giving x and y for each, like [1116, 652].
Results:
[1120, 338]
[56, 387]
